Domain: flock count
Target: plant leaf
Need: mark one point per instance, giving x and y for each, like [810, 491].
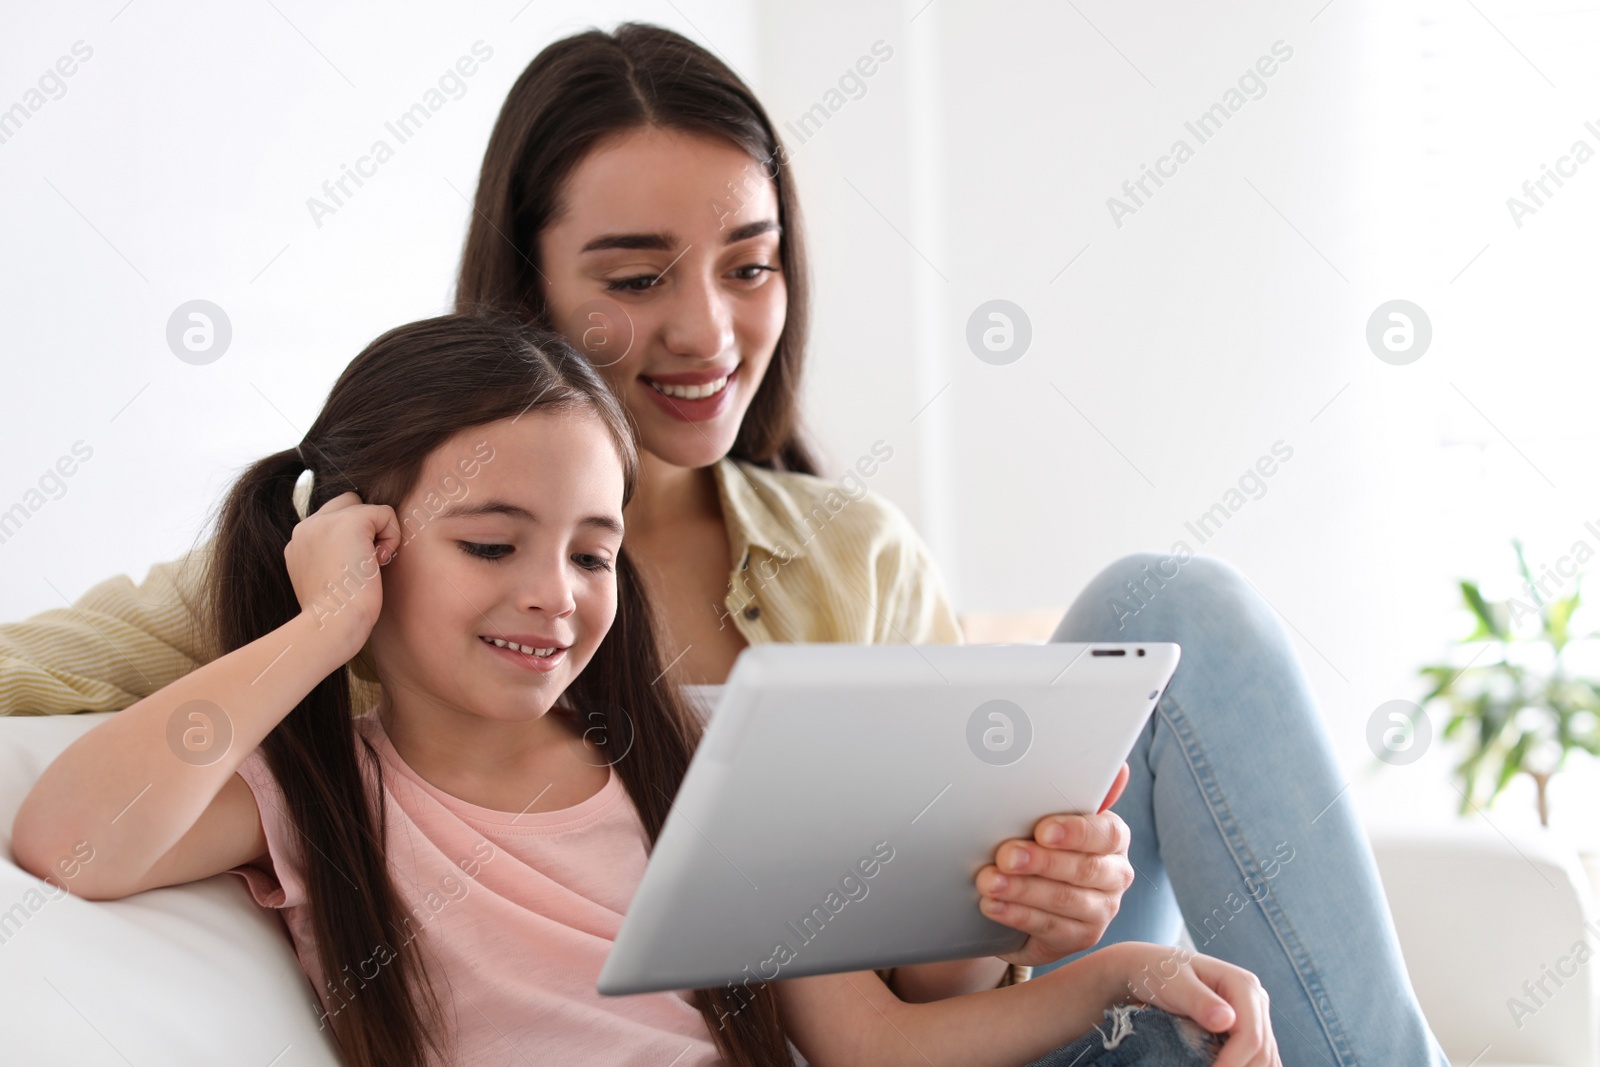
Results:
[1488, 626]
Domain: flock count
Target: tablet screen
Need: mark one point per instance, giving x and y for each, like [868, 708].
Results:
[821, 760]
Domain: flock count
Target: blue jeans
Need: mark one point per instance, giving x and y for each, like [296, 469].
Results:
[1240, 828]
[1146, 1037]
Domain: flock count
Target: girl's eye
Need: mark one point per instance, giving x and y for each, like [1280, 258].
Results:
[637, 284]
[594, 563]
[491, 553]
[739, 272]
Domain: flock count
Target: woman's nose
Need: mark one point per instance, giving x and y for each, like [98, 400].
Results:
[699, 321]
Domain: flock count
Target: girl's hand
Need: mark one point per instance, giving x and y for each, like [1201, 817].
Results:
[1219, 996]
[333, 558]
[1065, 885]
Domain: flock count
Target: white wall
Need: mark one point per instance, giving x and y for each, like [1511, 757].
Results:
[1227, 314]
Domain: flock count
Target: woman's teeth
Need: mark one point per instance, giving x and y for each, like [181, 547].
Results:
[691, 392]
[524, 649]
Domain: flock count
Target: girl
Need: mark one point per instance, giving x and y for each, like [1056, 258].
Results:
[453, 861]
[636, 198]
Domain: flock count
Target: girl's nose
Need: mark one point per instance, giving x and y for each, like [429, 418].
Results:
[549, 589]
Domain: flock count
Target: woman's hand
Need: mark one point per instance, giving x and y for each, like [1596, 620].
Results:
[1218, 996]
[333, 558]
[1065, 885]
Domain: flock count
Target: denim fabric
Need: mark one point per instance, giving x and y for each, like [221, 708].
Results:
[1240, 826]
[1148, 1037]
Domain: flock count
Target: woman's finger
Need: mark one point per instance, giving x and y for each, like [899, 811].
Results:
[1115, 793]
[1104, 832]
[1109, 872]
[1094, 900]
[1046, 929]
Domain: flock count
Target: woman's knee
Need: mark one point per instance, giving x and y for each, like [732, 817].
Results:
[1152, 595]
[1153, 572]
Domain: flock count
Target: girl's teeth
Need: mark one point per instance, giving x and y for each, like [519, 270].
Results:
[524, 649]
[690, 392]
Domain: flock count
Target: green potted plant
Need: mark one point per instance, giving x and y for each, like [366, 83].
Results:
[1516, 707]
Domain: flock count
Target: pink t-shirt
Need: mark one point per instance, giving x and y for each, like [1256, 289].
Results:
[515, 915]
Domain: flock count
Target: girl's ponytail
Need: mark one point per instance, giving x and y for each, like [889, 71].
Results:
[257, 520]
[390, 1020]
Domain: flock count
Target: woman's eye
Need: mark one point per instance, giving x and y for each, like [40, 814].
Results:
[637, 284]
[739, 272]
[592, 563]
[492, 553]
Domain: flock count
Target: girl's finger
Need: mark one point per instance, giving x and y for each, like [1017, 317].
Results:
[1241, 1048]
[386, 529]
[1187, 994]
[1250, 1039]
[1269, 1044]
[346, 499]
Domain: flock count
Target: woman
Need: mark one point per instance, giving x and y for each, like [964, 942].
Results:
[634, 196]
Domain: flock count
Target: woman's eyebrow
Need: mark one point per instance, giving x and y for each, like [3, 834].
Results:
[502, 507]
[751, 229]
[666, 240]
[650, 242]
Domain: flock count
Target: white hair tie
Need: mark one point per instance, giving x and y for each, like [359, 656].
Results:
[303, 487]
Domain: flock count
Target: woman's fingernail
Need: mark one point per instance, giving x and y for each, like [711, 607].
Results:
[1018, 859]
[1218, 1016]
[999, 883]
[1054, 834]
[994, 907]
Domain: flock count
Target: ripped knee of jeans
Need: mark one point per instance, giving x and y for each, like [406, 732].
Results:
[1200, 1043]
[1119, 1018]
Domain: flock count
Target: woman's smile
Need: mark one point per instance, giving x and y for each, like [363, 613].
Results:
[694, 397]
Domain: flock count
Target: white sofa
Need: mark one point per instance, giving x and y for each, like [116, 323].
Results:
[1479, 913]
[199, 974]
[196, 974]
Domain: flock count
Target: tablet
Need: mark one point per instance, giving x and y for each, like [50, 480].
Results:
[844, 797]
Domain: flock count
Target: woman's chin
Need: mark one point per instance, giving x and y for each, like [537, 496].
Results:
[698, 444]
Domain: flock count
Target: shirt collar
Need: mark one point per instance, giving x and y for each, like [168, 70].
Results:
[749, 512]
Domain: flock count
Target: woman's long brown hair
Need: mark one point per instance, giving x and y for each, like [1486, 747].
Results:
[584, 88]
[406, 394]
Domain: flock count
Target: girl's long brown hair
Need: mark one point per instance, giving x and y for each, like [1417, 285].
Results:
[407, 393]
[584, 88]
